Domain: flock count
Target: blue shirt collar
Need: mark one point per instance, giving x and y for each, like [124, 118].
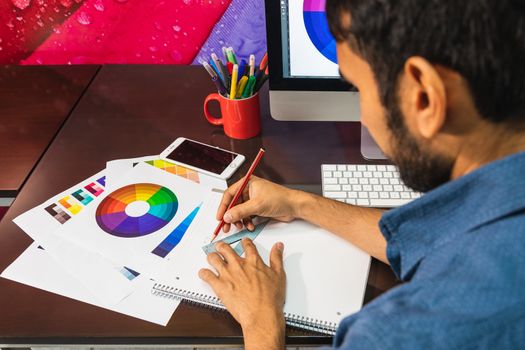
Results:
[484, 195]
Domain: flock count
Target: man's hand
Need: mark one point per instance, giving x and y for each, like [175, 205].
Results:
[260, 198]
[251, 291]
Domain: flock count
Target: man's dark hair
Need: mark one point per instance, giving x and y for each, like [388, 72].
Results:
[482, 40]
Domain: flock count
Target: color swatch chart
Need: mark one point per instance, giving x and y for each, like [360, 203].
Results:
[136, 210]
[175, 169]
[74, 203]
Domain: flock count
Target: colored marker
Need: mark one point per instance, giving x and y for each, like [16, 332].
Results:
[230, 49]
[242, 86]
[248, 90]
[209, 69]
[235, 73]
[242, 66]
[252, 65]
[230, 67]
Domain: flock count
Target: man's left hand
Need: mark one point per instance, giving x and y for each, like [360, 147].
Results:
[251, 291]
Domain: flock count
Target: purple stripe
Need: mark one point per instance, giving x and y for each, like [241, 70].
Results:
[314, 5]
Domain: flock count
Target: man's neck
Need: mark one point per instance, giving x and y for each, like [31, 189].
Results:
[487, 145]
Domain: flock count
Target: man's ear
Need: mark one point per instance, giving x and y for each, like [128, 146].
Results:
[425, 91]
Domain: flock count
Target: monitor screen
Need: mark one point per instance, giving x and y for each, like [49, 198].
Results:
[308, 48]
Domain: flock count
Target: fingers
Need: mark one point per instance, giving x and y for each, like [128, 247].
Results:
[209, 277]
[276, 257]
[242, 211]
[250, 250]
[217, 262]
[227, 197]
[231, 257]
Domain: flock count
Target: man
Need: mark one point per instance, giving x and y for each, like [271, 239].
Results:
[442, 86]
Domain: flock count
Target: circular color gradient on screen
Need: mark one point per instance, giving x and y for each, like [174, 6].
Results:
[314, 16]
[111, 213]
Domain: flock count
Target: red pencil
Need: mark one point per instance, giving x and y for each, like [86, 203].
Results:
[239, 191]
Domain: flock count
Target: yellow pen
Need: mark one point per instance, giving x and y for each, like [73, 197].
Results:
[235, 74]
[242, 86]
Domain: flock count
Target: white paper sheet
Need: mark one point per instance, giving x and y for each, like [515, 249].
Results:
[37, 269]
[326, 276]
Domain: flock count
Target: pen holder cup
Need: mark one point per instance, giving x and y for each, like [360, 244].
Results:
[241, 118]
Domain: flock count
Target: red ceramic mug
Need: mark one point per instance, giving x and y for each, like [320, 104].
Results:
[241, 118]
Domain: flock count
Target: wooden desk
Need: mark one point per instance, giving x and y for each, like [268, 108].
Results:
[138, 110]
[35, 103]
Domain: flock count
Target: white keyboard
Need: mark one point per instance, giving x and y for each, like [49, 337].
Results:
[377, 186]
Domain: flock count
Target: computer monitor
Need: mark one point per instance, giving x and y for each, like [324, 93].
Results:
[305, 84]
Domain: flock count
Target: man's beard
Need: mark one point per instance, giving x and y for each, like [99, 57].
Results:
[419, 168]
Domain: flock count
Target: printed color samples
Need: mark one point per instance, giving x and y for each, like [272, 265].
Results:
[111, 213]
[172, 168]
[317, 28]
[170, 242]
[55, 211]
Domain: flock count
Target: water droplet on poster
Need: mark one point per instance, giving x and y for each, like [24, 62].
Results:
[21, 4]
[153, 48]
[84, 18]
[99, 5]
[176, 28]
[66, 3]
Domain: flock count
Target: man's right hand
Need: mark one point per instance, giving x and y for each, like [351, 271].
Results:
[259, 198]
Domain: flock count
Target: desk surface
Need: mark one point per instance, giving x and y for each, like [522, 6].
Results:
[35, 103]
[138, 110]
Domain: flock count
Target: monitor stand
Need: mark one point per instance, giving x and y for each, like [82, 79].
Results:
[369, 149]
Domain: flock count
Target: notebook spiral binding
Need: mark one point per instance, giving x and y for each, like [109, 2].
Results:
[301, 322]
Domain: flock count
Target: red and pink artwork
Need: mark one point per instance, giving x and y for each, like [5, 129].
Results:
[35, 32]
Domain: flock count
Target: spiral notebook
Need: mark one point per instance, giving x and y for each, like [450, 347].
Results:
[326, 276]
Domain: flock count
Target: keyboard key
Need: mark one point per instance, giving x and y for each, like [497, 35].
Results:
[378, 188]
[367, 174]
[343, 181]
[367, 188]
[388, 175]
[394, 181]
[391, 168]
[405, 195]
[381, 168]
[384, 195]
[358, 174]
[363, 194]
[374, 195]
[347, 174]
[341, 168]
[387, 203]
[363, 202]
[384, 181]
[357, 188]
[347, 188]
[363, 181]
[372, 168]
[398, 188]
[353, 181]
[361, 168]
[335, 195]
[332, 188]
[351, 168]
[378, 174]
[327, 174]
[330, 181]
[338, 174]
[374, 181]
[388, 188]
[329, 167]
[351, 201]
[352, 195]
[395, 195]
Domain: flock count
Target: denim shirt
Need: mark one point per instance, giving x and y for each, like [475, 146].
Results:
[460, 249]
